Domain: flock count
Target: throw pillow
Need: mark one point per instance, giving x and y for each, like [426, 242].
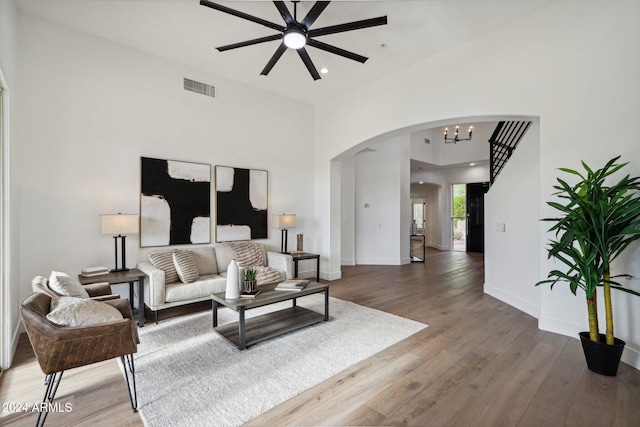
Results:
[185, 266]
[164, 261]
[63, 284]
[72, 311]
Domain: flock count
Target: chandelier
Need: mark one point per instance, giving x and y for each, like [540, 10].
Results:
[455, 138]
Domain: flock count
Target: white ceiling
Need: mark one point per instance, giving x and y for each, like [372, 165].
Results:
[185, 31]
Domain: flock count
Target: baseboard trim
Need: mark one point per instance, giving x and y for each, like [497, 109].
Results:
[630, 355]
[513, 300]
[379, 261]
[336, 275]
[15, 338]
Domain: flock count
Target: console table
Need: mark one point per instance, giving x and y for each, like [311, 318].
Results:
[131, 276]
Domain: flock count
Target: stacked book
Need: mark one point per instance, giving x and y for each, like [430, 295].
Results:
[94, 271]
[292, 285]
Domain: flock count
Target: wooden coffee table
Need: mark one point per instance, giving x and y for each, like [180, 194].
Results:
[246, 332]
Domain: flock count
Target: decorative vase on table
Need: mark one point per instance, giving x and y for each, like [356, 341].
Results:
[233, 290]
[249, 286]
[299, 243]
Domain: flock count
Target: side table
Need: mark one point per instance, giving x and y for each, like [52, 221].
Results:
[302, 256]
[131, 276]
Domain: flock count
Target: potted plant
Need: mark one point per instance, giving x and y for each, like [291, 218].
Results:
[597, 223]
[250, 274]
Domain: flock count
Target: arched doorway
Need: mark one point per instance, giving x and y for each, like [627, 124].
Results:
[351, 209]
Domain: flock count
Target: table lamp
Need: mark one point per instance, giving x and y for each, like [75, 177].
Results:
[118, 226]
[284, 222]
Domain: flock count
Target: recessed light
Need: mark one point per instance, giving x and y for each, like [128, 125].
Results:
[324, 70]
[472, 164]
[421, 182]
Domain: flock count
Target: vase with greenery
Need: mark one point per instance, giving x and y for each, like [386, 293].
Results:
[597, 222]
[250, 275]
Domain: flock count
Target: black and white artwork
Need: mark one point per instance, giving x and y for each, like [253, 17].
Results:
[241, 204]
[175, 202]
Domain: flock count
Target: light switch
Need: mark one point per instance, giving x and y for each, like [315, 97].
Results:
[500, 227]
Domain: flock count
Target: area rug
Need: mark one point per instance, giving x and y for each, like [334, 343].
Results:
[188, 375]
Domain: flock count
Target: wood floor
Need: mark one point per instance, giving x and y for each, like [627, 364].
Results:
[479, 363]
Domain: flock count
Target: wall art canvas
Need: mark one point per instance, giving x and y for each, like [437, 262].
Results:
[241, 204]
[175, 203]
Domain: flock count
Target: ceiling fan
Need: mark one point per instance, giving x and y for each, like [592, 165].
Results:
[297, 34]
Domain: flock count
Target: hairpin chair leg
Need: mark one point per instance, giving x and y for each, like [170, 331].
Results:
[50, 393]
[127, 363]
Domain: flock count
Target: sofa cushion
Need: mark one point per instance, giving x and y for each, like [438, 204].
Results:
[185, 266]
[205, 258]
[63, 284]
[164, 261]
[202, 287]
[72, 311]
[224, 255]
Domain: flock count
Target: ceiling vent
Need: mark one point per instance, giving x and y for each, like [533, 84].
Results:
[199, 87]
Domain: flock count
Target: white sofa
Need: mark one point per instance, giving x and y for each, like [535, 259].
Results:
[212, 262]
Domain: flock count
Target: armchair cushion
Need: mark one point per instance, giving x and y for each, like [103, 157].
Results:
[71, 311]
[64, 284]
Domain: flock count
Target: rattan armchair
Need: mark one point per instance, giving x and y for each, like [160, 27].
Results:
[58, 348]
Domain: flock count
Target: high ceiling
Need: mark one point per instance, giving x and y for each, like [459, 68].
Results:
[185, 31]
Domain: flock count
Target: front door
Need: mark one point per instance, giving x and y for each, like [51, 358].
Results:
[475, 216]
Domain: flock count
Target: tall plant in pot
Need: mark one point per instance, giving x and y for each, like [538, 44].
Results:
[597, 223]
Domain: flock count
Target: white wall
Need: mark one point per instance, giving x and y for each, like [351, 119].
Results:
[570, 64]
[91, 108]
[513, 200]
[348, 211]
[10, 298]
[382, 214]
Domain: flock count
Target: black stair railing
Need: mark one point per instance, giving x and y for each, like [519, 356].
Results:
[503, 142]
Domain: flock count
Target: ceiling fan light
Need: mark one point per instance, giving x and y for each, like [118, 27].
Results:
[294, 39]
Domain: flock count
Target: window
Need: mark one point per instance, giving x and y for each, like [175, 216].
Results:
[417, 216]
[459, 217]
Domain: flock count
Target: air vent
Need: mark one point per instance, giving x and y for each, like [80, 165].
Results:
[198, 87]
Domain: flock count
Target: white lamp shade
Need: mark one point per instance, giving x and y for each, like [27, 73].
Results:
[116, 224]
[284, 221]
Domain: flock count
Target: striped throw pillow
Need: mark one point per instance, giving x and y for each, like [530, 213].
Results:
[164, 261]
[185, 266]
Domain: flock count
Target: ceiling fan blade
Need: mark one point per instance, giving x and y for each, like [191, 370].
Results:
[308, 63]
[313, 14]
[242, 15]
[284, 11]
[276, 56]
[250, 42]
[350, 26]
[336, 50]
